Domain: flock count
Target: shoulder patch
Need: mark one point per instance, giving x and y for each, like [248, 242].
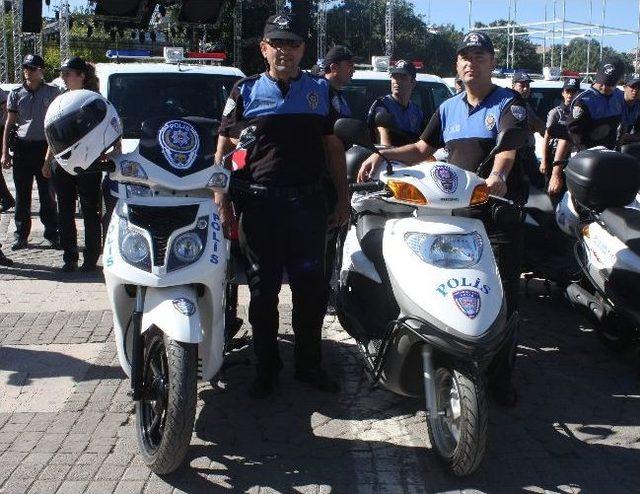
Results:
[519, 112]
[229, 106]
[577, 112]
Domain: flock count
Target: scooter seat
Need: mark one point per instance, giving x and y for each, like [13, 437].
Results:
[623, 223]
[370, 231]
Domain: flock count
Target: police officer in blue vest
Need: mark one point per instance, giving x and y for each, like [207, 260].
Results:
[409, 118]
[283, 220]
[467, 126]
[338, 70]
[595, 117]
[630, 125]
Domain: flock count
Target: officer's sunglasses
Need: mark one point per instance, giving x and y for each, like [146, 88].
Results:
[283, 43]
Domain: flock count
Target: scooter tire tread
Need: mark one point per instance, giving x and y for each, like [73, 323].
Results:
[471, 448]
[180, 417]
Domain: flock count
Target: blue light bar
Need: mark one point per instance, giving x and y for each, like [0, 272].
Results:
[128, 53]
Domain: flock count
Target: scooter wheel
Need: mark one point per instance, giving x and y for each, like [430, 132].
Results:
[166, 412]
[460, 435]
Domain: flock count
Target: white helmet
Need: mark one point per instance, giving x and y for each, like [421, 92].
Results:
[80, 126]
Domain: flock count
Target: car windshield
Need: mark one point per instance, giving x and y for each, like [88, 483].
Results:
[139, 96]
[361, 94]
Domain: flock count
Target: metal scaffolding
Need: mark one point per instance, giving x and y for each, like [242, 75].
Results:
[16, 19]
[237, 34]
[569, 30]
[4, 48]
[389, 31]
[322, 29]
[64, 16]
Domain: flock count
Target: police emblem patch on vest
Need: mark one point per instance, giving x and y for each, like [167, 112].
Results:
[445, 178]
[490, 122]
[576, 112]
[468, 301]
[519, 112]
[313, 100]
[180, 143]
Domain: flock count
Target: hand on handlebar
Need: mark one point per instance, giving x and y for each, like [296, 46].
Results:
[497, 186]
[369, 167]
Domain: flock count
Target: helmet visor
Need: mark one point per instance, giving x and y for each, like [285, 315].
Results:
[66, 131]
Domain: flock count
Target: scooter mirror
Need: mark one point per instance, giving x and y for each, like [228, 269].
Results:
[352, 131]
[247, 137]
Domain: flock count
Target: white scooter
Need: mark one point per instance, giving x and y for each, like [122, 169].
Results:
[420, 292]
[601, 207]
[165, 266]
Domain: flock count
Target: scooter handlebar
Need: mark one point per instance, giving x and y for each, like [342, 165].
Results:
[366, 186]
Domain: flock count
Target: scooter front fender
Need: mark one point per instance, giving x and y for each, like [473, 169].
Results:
[173, 310]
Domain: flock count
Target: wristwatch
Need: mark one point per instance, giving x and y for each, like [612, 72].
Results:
[501, 175]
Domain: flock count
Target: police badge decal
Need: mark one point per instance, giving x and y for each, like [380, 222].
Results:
[445, 178]
[468, 301]
[180, 143]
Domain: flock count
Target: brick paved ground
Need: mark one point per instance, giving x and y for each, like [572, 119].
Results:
[576, 428]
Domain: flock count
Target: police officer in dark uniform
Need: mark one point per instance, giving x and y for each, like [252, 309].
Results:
[409, 118]
[556, 127]
[338, 70]
[595, 117]
[629, 126]
[27, 106]
[283, 219]
[526, 155]
[6, 199]
[467, 126]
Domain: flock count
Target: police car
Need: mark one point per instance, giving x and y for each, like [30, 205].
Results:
[545, 95]
[368, 85]
[172, 86]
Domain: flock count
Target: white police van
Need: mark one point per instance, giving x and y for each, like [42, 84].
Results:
[374, 82]
[142, 87]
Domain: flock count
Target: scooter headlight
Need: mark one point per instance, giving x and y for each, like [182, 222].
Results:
[134, 247]
[187, 247]
[456, 251]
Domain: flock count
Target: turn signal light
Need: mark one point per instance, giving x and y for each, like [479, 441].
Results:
[480, 195]
[403, 191]
[585, 231]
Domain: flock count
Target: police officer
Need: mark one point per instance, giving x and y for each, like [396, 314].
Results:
[408, 117]
[594, 119]
[467, 126]
[27, 106]
[556, 126]
[629, 126]
[77, 74]
[6, 199]
[526, 156]
[338, 70]
[283, 220]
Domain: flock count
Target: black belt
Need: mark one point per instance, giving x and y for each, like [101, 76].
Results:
[274, 192]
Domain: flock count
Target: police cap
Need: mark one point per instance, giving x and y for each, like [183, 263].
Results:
[521, 76]
[610, 72]
[74, 63]
[403, 67]
[282, 26]
[632, 80]
[336, 54]
[476, 39]
[571, 84]
[32, 61]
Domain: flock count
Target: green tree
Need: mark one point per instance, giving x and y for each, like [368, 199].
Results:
[525, 55]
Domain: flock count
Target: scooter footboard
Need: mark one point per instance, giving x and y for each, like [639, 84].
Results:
[173, 310]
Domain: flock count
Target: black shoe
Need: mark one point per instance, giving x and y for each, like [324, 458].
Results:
[504, 395]
[318, 379]
[263, 387]
[52, 243]
[70, 266]
[20, 243]
[88, 267]
[4, 260]
[6, 205]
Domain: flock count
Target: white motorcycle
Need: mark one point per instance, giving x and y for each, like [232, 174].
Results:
[165, 266]
[420, 292]
[601, 210]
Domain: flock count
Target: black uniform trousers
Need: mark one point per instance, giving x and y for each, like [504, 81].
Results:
[5, 195]
[507, 244]
[28, 159]
[285, 234]
[68, 189]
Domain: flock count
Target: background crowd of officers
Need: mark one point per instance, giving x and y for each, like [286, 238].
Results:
[291, 221]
